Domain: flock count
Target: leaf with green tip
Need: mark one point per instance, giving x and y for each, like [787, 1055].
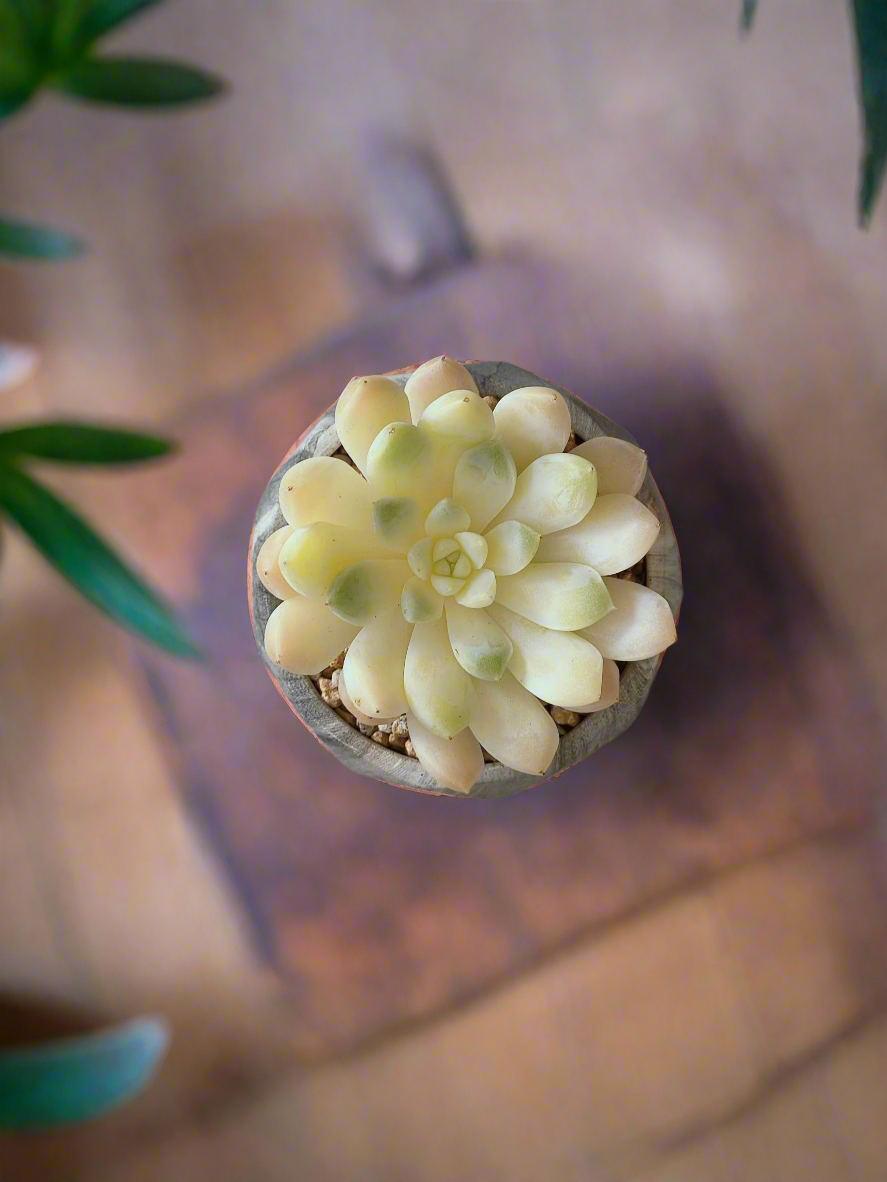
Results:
[138, 82]
[870, 17]
[79, 1079]
[419, 602]
[480, 646]
[313, 556]
[88, 563]
[747, 16]
[484, 482]
[364, 590]
[81, 443]
[25, 240]
[397, 521]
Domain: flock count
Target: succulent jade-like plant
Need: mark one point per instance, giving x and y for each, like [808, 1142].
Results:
[466, 564]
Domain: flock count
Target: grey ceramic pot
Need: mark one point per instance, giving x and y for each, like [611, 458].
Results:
[360, 753]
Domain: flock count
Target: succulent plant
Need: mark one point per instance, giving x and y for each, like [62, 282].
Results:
[465, 562]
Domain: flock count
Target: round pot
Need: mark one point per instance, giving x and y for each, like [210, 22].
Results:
[357, 751]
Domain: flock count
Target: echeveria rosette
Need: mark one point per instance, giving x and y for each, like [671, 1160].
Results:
[466, 568]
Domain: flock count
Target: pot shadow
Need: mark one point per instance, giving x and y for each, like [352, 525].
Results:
[746, 587]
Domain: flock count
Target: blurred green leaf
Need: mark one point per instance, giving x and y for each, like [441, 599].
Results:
[28, 241]
[19, 72]
[102, 16]
[65, 21]
[138, 82]
[88, 563]
[15, 45]
[78, 1079]
[33, 17]
[12, 101]
[870, 17]
[746, 19]
[81, 443]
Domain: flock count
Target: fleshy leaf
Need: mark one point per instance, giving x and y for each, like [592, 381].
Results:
[397, 521]
[365, 590]
[484, 482]
[447, 584]
[312, 556]
[511, 546]
[514, 726]
[565, 596]
[479, 590]
[419, 602]
[365, 407]
[439, 691]
[552, 493]
[325, 489]
[430, 381]
[616, 533]
[641, 626]
[444, 548]
[609, 690]
[399, 462]
[374, 665]
[479, 644]
[533, 421]
[474, 546]
[303, 635]
[558, 667]
[420, 558]
[268, 564]
[621, 467]
[446, 519]
[461, 416]
[348, 703]
[456, 763]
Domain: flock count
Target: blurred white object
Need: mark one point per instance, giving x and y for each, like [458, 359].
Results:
[412, 224]
[17, 363]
